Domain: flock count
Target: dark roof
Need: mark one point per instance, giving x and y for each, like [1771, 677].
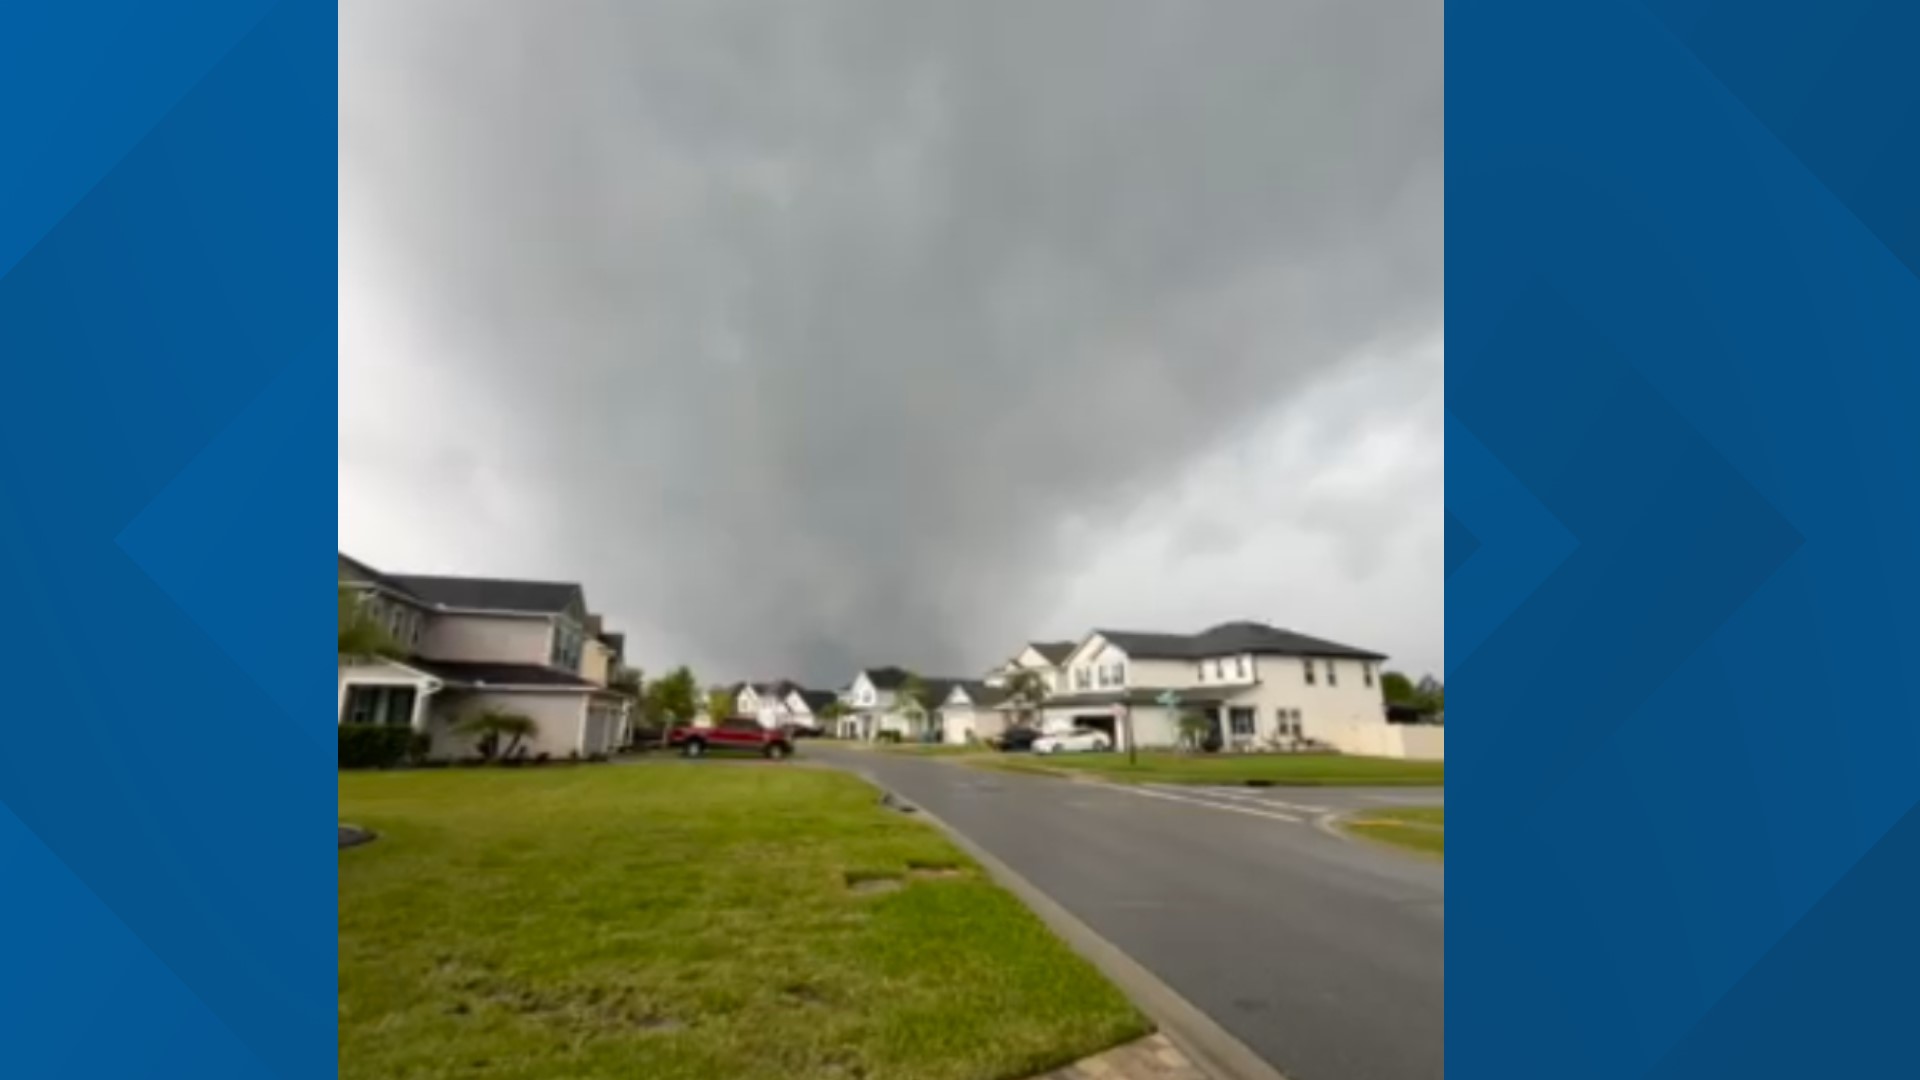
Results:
[818, 699]
[887, 678]
[937, 691]
[492, 594]
[1056, 652]
[980, 693]
[615, 641]
[1140, 645]
[1253, 637]
[362, 572]
[483, 674]
[1227, 639]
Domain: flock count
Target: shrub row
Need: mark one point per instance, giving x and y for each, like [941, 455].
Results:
[381, 746]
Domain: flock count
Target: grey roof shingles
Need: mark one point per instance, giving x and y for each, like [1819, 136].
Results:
[1056, 652]
[492, 594]
[1227, 639]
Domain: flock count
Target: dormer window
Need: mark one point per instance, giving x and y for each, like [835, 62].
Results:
[1240, 666]
[1308, 666]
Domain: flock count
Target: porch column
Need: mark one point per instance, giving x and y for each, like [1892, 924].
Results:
[418, 721]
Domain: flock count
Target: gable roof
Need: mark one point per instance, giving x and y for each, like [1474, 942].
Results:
[1142, 645]
[979, 693]
[1246, 636]
[1242, 636]
[494, 594]
[1056, 652]
[816, 699]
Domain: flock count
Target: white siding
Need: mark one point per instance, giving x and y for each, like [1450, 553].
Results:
[560, 717]
[499, 639]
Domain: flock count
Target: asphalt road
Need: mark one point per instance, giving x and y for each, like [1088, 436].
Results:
[1324, 956]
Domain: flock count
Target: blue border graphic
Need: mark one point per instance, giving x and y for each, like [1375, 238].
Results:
[1683, 490]
[167, 446]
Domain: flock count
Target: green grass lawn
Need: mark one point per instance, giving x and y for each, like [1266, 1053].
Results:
[1166, 767]
[687, 920]
[1419, 828]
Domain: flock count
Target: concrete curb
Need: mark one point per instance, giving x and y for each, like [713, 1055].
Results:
[1205, 1042]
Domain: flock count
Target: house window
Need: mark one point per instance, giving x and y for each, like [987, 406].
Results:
[1241, 721]
[1200, 669]
[1240, 666]
[1082, 678]
[1219, 670]
[1119, 674]
[1333, 674]
[1309, 670]
[1366, 675]
[391, 705]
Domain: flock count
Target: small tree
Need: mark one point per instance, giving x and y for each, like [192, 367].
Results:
[833, 712]
[1194, 729]
[489, 727]
[362, 636]
[1397, 688]
[673, 699]
[911, 699]
[720, 703]
[1026, 690]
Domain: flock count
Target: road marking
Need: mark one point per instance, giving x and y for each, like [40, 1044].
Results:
[1247, 796]
[1234, 807]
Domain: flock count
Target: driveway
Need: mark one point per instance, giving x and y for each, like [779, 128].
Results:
[1324, 956]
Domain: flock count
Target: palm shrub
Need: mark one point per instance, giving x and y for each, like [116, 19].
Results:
[490, 728]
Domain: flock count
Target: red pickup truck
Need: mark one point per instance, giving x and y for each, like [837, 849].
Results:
[736, 734]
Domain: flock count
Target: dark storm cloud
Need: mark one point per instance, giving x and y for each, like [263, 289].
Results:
[803, 324]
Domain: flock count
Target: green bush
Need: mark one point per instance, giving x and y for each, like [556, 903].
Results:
[419, 748]
[373, 746]
[888, 737]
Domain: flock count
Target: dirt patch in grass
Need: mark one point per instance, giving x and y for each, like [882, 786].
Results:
[869, 882]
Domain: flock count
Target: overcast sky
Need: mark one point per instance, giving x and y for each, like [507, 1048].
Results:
[816, 335]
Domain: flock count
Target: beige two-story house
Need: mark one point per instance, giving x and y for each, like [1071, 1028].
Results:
[470, 644]
[1256, 687]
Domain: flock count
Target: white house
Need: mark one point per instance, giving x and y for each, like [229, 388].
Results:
[972, 712]
[1256, 686]
[765, 702]
[1043, 658]
[808, 706]
[874, 708]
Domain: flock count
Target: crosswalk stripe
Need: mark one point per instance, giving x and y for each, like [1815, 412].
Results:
[1236, 808]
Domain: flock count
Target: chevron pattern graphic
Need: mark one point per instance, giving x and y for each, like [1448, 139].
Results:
[1684, 358]
[167, 283]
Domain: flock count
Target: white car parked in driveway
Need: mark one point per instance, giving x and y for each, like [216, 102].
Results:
[1079, 740]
